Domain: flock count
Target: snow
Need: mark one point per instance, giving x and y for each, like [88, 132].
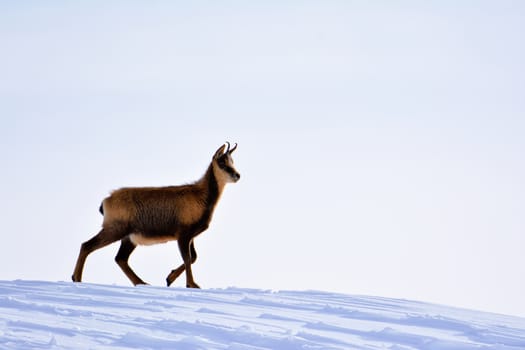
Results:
[64, 315]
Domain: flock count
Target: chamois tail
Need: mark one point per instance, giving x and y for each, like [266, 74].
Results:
[101, 209]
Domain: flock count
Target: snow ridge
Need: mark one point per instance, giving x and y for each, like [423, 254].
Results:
[48, 315]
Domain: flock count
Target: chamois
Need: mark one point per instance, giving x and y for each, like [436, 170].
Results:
[151, 215]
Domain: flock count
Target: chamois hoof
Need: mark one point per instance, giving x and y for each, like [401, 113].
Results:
[194, 285]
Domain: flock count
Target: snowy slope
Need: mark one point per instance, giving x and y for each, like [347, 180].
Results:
[46, 315]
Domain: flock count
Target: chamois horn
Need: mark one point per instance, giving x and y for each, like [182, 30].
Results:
[230, 151]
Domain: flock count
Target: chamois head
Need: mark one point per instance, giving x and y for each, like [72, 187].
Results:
[223, 164]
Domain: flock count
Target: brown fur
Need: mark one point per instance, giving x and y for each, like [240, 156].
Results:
[151, 215]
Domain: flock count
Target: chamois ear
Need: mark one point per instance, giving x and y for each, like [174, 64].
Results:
[219, 152]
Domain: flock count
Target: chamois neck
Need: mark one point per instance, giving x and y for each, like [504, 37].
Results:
[211, 186]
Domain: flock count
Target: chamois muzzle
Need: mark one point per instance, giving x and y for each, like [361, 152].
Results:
[236, 176]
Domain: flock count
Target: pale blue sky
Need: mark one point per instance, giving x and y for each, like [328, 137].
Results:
[380, 145]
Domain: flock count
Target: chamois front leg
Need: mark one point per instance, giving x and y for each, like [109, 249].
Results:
[177, 272]
[185, 251]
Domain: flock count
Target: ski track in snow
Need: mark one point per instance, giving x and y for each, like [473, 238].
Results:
[49, 315]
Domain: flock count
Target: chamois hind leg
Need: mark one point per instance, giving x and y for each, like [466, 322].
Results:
[125, 250]
[177, 272]
[100, 240]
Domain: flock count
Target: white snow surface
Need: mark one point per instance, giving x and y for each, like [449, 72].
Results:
[63, 315]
